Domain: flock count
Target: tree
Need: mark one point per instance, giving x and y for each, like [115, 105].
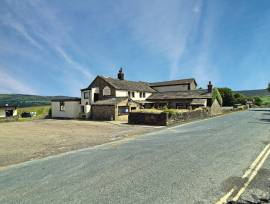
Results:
[239, 99]
[227, 96]
[268, 88]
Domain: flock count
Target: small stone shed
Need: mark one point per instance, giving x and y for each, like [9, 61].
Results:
[111, 109]
[7, 111]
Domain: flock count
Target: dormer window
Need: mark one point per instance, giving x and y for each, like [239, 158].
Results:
[133, 94]
[129, 94]
[106, 91]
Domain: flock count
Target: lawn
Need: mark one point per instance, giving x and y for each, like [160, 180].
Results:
[42, 111]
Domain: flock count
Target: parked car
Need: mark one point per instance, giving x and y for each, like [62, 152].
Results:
[26, 115]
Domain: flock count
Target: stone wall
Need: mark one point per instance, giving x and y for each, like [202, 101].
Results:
[159, 119]
[215, 108]
[163, 119]
[103, 112]
[187, 116]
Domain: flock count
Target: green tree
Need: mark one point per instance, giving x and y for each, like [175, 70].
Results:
[258, 101]
[227, 96]
[268, 88]
[239, 99]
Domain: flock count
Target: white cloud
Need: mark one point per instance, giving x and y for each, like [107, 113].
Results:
[37, 18]
[11, 84]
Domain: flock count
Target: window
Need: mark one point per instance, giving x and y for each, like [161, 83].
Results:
[106, 91]
[143, 95]
[129, 94]
[62, 106]
[133, 94]
[82, 109]
[86, 95]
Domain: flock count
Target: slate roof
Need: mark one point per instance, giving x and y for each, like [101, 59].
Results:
[4, 105]
[173, 82]
[66, 99]
[193, 94]
[128, 85]
[110, 101]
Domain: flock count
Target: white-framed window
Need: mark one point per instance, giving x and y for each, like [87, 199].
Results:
[133, 94]
[129, 94]
[142, 94]
[86, 95]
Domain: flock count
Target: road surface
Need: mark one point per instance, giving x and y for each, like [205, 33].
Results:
[193, 163]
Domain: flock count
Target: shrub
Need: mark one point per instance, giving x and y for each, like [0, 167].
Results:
[258, 101]
[239, 99]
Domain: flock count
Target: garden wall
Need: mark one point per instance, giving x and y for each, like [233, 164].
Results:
[165, 118]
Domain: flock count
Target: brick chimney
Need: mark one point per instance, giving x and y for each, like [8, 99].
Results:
[121, 74]
[209, 87]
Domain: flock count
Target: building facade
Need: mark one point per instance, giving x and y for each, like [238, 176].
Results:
[117, 96]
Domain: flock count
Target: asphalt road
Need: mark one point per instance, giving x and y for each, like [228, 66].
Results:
[193, 163]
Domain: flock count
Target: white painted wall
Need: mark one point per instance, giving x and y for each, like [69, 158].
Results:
[72, 109]
[2, 113]
[92, 92]
[121, 93]
[137, 96]
[15, 113]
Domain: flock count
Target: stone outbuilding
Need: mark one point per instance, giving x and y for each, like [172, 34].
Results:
[113, 108]
[8, 111]
[66, 107]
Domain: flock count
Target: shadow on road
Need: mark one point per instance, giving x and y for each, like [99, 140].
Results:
[262, 110]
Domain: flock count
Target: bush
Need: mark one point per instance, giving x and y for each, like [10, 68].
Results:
[239, 99]
[258, 101]
[227, 96]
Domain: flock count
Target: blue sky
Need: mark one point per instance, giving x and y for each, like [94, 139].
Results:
[58, 47]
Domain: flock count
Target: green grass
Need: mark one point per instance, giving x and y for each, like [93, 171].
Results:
[266, 100]
[42, 111]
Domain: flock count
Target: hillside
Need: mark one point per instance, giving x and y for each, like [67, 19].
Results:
[22, 100]
[258, 92]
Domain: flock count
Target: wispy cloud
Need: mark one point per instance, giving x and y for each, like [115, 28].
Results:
[37, 22]
[164, 27]
[11, 84]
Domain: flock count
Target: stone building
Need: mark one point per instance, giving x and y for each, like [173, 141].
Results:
[8, 111]
[107, 98]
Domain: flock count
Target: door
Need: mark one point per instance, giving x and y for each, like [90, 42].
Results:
[96, 96]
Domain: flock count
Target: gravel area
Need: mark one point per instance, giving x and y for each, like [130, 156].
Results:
[23, 141]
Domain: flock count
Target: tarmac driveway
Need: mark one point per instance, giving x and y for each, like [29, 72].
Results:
[193, 163]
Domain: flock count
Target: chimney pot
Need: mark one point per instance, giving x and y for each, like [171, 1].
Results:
[210, 87]
[121, 74]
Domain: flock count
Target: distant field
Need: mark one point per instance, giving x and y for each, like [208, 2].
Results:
[22, 100]
[42, 111]
[258, 92]
[266, 100]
